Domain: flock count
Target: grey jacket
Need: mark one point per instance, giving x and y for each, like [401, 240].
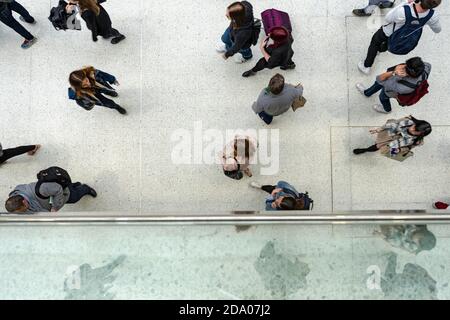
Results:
[393, 87]
[59, 197]
[275, 105]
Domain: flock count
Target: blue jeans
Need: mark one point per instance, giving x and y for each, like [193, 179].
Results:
[226, 38]
[384, 99]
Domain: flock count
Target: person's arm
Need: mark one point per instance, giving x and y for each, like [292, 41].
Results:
[89, 17]
[55, 192]
[434, 23]
[106, 76]
[396, 15]
[262, 47]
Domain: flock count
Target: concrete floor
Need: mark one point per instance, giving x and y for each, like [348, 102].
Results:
[171, 78]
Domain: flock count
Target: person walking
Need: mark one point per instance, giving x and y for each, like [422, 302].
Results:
[276, 49]
[45, 196]
[6, 9]
[411, 13]
[398, 137]
[372, 5]
[276, 99]
[237, 156]
[6, 154]
[399, 80]
[97, 19]
[88, 87]
[240, 35]
[283, 196]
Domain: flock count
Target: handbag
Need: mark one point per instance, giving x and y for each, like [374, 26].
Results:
[401, 156]
[298, 102]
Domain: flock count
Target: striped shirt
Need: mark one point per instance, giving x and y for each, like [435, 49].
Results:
[400, 128]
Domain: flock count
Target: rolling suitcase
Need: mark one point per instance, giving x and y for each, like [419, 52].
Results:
[272, 18]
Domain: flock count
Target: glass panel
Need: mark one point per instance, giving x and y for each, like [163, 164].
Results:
[222, 262]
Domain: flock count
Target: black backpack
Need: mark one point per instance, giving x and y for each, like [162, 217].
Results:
[256, 28]
[52, 174]
[58, 16]
[304, 202]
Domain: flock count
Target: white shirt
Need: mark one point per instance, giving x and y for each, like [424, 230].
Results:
[397, 16]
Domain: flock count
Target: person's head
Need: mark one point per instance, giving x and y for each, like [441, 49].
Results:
[89, 5]
[415, 67]
[276, 84]
[279, 35]
[429, 4]
[236, 13]
[285, 203]
[424, 239]
[83, 81]
[420, 128]
[16, 204]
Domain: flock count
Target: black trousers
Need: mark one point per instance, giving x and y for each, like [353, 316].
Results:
[268, 188]
[106, 102]
[7, 18]
[263, 64]
[378, 44]
[14, 152]
[77, 191]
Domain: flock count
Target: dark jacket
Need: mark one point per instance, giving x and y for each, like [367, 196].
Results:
[242, 37]
[281, 56]
[88, 102]
[100, 25]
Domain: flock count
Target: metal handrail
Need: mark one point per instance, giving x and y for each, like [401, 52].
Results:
[241, 218]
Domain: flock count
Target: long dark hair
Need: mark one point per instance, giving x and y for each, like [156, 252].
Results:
[236, 11]
[423, 127]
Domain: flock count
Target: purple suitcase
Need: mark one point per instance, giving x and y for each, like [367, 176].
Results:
[272, 18]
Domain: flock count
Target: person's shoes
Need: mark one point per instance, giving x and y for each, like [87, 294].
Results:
[221, 47]
[113, 94]
[383, 5]
[362, 68]
[379, 108]
[92, 192]
[288, 67]
[121, 110]
[238, 58]
[23, 19]
[248, 73]
[33, 152]
[359, 151]
[28, 43]
[255, 185]
[440, 205]
[116, 40]
[361, 88]
[361, 13]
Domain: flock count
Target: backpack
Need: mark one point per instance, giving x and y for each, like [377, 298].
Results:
[420, 90]
[58, 16]
[52, 174]
[256, 30]
[406, 39]
[304, 202]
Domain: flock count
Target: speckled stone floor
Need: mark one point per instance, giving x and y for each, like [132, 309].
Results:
[172, 79]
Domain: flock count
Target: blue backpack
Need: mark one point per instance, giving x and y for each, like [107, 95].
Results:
[406, 39]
